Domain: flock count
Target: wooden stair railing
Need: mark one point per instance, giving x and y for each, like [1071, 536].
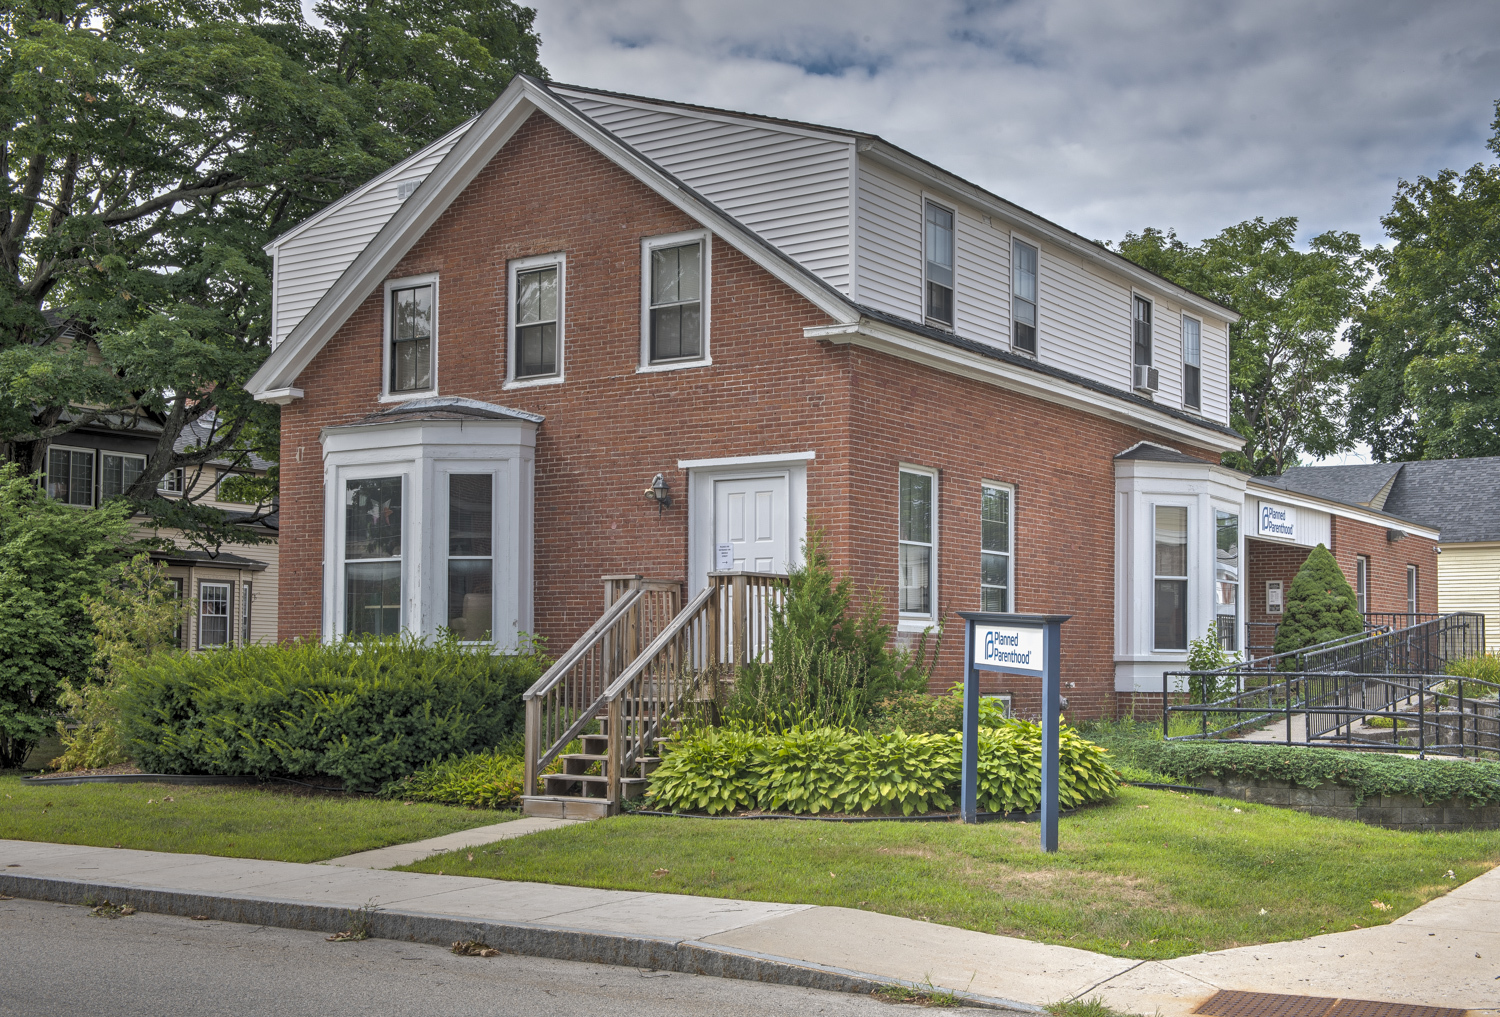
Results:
[725, 626]
[563, 701]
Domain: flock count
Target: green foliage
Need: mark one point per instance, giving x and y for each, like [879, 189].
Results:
[917, 712]
[1286, 381]
[828, 664]
[51, 558]
[365, 712]
[150, 150]
[489, 779]
[1481, 667]
[1320, 606]
[1368, 774]
[813, 770]
[1425, 349]
[1207, 653]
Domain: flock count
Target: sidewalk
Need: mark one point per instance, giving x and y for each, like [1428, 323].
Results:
[1443, 954]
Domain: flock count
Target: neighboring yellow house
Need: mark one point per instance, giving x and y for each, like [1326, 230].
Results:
[1459, 497]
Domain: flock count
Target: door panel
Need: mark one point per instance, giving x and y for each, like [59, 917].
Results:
[751, 515]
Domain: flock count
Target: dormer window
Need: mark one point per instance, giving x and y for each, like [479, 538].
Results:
[939, 248]
[411, 320]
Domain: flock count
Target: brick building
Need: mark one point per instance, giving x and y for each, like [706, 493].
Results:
[488, 353]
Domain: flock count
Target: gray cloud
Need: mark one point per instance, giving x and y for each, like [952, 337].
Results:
[1102, 116]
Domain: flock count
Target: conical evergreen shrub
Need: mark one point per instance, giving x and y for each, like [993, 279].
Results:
[1320, 605]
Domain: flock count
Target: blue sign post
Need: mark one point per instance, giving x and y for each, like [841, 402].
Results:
[1022, 644]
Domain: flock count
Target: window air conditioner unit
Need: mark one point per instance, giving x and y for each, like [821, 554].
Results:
[1146, 378]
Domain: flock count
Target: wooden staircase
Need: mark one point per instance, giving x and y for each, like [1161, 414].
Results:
[630, 680]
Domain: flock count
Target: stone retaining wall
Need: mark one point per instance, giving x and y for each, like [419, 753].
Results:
[1397, 812]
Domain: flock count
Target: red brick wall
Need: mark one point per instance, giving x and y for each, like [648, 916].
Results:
[1388, 562]
[769, 390]
[1267, 561]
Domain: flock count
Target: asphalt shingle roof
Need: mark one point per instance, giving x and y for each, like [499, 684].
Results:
[1458, 497]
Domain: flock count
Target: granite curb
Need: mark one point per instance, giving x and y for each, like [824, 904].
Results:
[529, 939]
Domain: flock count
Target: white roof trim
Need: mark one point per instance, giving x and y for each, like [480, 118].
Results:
[459, 167]
[762, 460]
[702, 113]
[1265, 492]
[919, 349]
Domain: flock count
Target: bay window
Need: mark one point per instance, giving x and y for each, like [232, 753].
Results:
[1227, 578]
[372, 556]
[471, 563]
[1170, 572]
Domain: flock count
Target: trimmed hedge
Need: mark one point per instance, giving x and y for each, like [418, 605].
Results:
[816, 770]
[1368, 774]
[365, 712]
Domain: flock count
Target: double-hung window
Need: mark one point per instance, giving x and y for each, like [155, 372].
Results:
[372, 556]
[70, 475]
[245, 598]
[1192, 363]
[1227, 578]
[1362, 583]
[994, 548]
[675, 273]
[118, 472]
[410, 328]
[918, 542]
[1023, 267]
[471, 555]
[171, 482]
[213, 614]
[536, 336]
[1170, 565]
[938, 242]
[1142, 326]
[1411, 592]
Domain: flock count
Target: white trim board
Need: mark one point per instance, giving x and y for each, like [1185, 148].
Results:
[774, 457]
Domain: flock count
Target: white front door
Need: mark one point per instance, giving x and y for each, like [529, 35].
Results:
[751, 516]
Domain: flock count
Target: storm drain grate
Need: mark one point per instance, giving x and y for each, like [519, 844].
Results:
[1270, 1004]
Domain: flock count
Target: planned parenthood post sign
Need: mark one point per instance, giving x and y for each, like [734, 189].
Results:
[1020, 644]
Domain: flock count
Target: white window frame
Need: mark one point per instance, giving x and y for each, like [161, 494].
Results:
[1010, 556]
[1361, 583]
[1239, 573]
[1413, 593]
[649, 244]
[177, 472]
[1021, 238]
[1151, 333]
[386, 395]
[1186, 579]
[247, 598]
[93, 477]
[559, 260]
[373, 471]
[1198, 406]
[912, 621]
[443, 512]
[228, 588]
[123, 455]
[947, 326]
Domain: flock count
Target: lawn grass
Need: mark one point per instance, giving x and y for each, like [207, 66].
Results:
[1155, 874]
[240, 822]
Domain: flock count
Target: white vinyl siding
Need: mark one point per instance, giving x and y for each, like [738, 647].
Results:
[1083, 319]
[889, 245]
[790, 186]
[314, 254]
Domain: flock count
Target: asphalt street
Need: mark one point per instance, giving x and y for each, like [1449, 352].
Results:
[60, 960]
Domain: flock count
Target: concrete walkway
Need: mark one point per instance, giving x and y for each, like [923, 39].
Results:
[1444, 953]
[405, 854]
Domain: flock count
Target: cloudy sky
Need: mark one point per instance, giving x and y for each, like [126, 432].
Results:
[1104, 117]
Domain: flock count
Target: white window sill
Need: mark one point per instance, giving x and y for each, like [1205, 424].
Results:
[917, 625]
[674, 365]
[406, 397]
[516, 383]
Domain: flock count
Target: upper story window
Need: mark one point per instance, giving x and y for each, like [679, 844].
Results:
[1142, 332]
[1192, 362]
[675, 273]
[939, 255]
[410, 326]
[1023, 296]
[994, 548]
[70, 475]
[918, 543]
[536, 339]
[118, 472]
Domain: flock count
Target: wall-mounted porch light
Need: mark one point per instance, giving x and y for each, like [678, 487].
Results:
[660, 493]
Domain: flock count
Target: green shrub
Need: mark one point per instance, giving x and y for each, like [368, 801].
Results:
[815, 770]
[493, 779]
[920, 713]
[1320, 606]
[1480, 667]
[1432, 780]
[365, 712]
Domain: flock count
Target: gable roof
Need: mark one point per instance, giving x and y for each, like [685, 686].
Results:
[1461, 497]
[1356, 484]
